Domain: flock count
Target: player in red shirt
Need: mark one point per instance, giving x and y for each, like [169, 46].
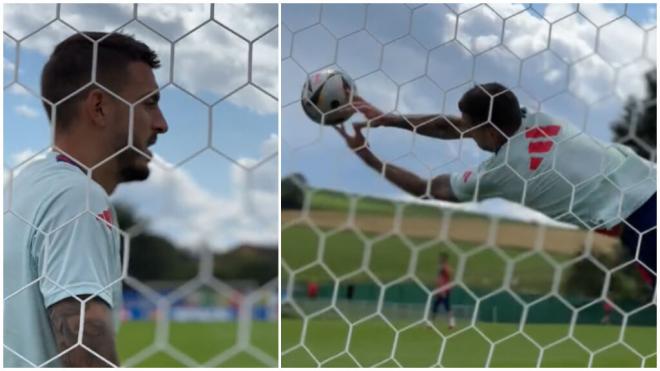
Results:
[445, 275]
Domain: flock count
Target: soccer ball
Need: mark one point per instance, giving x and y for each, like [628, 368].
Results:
[326, 95]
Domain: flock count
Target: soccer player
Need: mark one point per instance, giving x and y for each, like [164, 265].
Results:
[445, 274]
[538, 161]
[62, 249]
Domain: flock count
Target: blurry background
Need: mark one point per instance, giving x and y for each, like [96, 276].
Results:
[359, 256]
[202, 277]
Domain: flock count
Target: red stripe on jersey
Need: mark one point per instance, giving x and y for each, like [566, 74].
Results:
[540, 147]
[543, 131]
[535, 162]
[107, 216]
[466, 176]
[612, 232]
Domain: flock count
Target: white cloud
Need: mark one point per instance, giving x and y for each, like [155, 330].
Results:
[26, 111]
[18, 90]
[7, 65]
[178, 207]
[572, 38]
[22, 19]
[210, 60]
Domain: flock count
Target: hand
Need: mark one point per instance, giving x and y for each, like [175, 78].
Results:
[356, 142]
[368, 110]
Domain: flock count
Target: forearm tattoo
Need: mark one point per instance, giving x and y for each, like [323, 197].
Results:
[98, 334]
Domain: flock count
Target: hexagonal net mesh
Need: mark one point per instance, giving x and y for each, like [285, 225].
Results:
[192, 272]
[374, 277]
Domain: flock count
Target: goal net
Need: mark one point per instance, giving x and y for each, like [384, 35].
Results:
[360, 259]
[199, 237]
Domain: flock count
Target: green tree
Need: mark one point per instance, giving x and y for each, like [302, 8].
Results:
[637, 126]
[586, 280]
[153, 257]
[293, 191]
[247, 262]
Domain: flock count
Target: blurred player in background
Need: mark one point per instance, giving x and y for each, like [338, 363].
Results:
[80, 258]
[538, 161]
[445, 275]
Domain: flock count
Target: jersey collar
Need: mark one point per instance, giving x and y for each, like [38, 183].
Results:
[521, 128]
[64, 158]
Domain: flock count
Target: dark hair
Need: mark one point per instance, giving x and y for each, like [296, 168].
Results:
[506, 115]
[444, 256]
[70, 67]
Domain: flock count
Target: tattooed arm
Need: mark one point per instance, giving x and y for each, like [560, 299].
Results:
[98, 332]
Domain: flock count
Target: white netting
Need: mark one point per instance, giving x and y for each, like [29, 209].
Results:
[213, 183]
[359, 265]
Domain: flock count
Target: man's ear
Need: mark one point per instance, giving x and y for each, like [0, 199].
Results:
[95, 106]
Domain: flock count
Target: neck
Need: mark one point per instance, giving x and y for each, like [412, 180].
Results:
[106, 176]
[502, 139]
[88, 154]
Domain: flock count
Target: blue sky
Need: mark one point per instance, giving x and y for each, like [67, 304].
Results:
[208, 199]
[403, 60]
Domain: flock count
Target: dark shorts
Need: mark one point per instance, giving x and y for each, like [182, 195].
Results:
[439, 299]
[643, 245]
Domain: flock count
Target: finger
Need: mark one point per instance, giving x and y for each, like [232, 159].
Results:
[359, 99]
[358, 130]
[357, 106]
[359, 102]
[350, 108]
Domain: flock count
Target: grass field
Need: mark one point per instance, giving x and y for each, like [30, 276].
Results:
[391, 257]
[337, 201]
[199, 341]
[372, 342]
[347, 256]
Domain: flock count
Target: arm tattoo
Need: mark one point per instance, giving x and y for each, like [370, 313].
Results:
[98, 334]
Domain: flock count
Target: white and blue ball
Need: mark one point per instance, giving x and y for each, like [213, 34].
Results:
[326, 96]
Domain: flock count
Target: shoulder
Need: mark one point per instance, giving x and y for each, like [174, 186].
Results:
[78, 188]
[66, 193]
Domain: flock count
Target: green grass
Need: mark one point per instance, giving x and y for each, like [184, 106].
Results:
[329, 200]
[336, 201]
[390, 258]
[482, 269]
[372, 342]
[199, 341]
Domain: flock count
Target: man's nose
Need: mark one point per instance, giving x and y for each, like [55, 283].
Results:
[161, 124]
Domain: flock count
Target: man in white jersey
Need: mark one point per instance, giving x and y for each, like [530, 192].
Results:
[61, 239]
[538, 161]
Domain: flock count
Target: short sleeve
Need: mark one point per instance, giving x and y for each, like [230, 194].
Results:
[489, 180]
[463, 185]
[79, 256]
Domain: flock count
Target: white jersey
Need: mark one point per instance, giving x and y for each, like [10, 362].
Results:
[552, 167]
[58, 243]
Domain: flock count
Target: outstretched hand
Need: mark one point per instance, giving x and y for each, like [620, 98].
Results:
[367, 109]
[375, 117]
[356, 141]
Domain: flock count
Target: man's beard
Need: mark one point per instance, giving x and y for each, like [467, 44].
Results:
[129, 168]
